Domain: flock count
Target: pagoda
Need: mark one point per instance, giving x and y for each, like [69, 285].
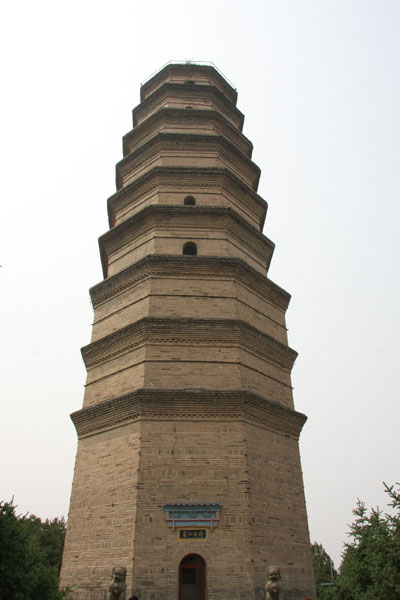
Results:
[188, 470]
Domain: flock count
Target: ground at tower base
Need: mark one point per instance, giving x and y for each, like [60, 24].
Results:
[188, 479]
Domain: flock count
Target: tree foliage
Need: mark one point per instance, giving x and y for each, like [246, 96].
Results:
[325, 574]
[370, 568]
[50, 535]
[30, 556]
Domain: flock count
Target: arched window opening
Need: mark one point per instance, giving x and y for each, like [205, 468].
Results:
[189, 249]
[192, 578]
[189, 201]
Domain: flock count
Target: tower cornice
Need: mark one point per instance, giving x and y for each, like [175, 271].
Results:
[198, 145]
[185, 70]
[182, 178]
[194, 266]
[180, 405]
[190, 219]
[184, 331]
[166, 90]
[194, 118]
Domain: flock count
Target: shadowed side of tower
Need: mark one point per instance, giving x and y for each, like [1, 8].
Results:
[188, 470]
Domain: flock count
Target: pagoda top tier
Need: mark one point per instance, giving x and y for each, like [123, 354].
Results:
[191, 74]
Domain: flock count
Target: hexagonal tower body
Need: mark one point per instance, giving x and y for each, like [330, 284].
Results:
[188, 470]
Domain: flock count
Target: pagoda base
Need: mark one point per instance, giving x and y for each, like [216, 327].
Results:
[147, 454]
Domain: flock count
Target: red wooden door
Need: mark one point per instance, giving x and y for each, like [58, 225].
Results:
[192, 578]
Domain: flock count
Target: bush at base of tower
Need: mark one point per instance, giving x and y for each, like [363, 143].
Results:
[30, 554]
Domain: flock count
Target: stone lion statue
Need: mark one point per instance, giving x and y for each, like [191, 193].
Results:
[117, 585]
[273, 586]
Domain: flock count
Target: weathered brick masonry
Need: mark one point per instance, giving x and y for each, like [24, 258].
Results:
[188, 400]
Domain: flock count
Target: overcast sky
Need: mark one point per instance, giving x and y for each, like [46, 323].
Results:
[318, 82]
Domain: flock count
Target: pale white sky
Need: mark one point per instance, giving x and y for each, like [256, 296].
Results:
[319, 84]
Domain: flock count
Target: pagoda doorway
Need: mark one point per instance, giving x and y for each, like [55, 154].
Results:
[192, 578]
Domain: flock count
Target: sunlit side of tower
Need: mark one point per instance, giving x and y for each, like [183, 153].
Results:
[188, 470]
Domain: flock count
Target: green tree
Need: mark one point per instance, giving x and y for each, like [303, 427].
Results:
[324, 572]
[50, 535]
[15, 562]
[29, 556]
[370, 568]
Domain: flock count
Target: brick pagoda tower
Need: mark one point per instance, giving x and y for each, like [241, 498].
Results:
[188, 469]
